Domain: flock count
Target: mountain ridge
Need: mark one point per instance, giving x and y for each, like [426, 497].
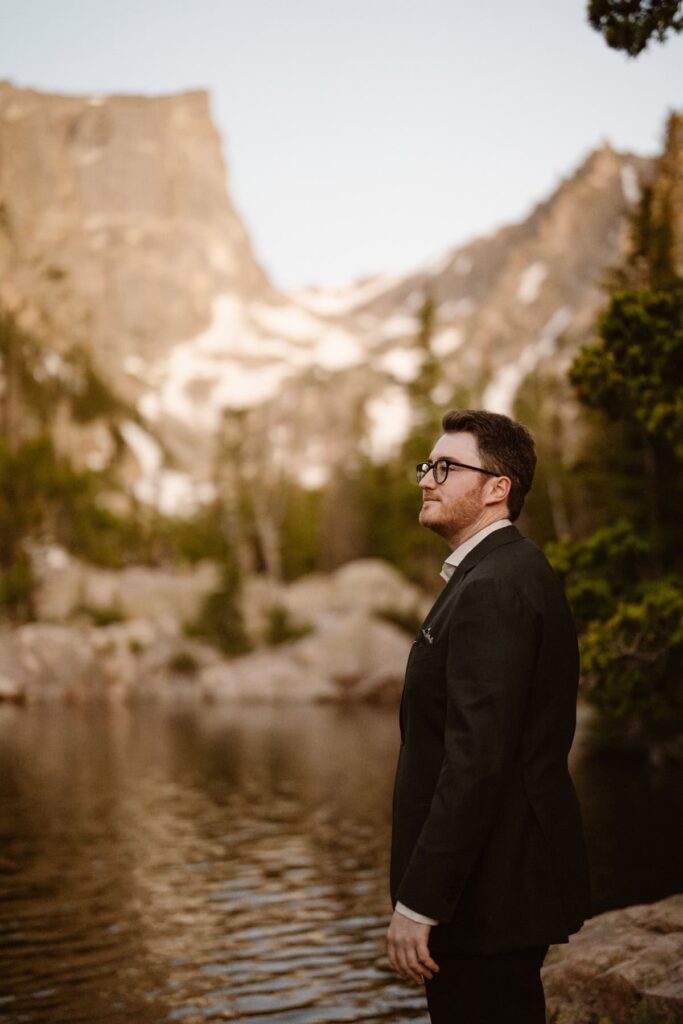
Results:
[125, 239]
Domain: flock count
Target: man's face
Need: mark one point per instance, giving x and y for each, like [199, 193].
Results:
[455, 506]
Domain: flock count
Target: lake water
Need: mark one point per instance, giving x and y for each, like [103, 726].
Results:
[230, 864]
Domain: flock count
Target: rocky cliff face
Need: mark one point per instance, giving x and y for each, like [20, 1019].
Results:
[115, 222]
[116, 229]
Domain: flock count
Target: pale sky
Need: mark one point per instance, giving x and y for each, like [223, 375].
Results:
[365, 136]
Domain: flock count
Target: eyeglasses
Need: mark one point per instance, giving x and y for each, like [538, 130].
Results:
[441, 467]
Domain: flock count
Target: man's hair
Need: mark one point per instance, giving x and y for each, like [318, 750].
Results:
[506, 447]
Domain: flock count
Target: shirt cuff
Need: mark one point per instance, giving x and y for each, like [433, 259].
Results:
[413, 915]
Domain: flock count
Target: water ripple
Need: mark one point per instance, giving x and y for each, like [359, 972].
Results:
[165, 868]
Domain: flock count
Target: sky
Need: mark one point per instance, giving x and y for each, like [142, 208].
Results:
[365, 136]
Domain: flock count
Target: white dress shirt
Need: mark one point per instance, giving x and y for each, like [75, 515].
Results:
[447, 570]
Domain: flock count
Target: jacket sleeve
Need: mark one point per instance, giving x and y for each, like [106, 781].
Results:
[492, 646]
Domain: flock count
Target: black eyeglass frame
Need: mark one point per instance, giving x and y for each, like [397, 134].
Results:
[449, 463]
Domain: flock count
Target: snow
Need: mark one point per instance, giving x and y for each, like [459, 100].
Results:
[227, 333]
[399, 325]
[502, 390]
[143, 446]
[389, 421]
[337, 350]
[630, 185]
[149, 405]
[437, 264]
[169, 490]
[530, 282]
[135, 366]
[338, 299]
[174, 493]
[242, 386]
[447, 341]
[290, 321]
[402, 363]
[209, 365]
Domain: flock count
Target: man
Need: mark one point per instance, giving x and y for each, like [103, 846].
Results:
[487, 863]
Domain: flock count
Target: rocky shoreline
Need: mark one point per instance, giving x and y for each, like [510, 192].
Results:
[350, 651]
[623, 967]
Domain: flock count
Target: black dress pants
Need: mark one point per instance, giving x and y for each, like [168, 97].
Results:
[496, 988]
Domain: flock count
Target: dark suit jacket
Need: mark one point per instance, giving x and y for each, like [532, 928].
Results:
[487, 833]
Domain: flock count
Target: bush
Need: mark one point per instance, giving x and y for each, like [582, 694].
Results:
[408, 621]
[220, 618]
[183, 663]
[600, 571]
[104, 615]
[281, 629]
[634, 664]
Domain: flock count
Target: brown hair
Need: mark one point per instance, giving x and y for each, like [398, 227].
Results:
[506, 447]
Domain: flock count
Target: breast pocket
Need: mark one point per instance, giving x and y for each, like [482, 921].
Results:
[426, 663]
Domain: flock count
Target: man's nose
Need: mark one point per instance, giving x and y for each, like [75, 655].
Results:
[428, 482]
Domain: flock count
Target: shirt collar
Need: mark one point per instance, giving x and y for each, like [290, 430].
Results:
[456, 556]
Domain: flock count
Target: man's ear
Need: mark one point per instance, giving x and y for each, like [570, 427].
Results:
[499, 489]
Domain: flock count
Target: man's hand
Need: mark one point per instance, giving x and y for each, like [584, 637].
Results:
[408, 949]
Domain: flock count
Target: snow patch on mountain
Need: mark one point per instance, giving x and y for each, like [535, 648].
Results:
[630, 185]
[402, 363]
[502, 390]
[447, 341]
[530, 282]
[340, 299]
[399, 326]
[389, 421]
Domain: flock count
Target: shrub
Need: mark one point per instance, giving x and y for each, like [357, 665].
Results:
[408, 621]
[634, 664]
[600, 571]
[220, 618]
[101, 615]
[184, 663]
[281, 628]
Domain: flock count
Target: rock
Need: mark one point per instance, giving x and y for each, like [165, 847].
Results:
[264, 676]
[623, 967]
[12, 690]
[67, 584]
[350, 654]
[351, 657]
[366, 585]
[56, 661]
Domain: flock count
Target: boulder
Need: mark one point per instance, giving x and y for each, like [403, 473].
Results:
[366, 585]
[350, 657]
[67, 585]
[623, 967]
[12, 690]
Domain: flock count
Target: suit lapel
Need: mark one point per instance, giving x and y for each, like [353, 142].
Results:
[506, 535]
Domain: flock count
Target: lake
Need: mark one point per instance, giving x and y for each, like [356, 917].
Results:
[230, 863]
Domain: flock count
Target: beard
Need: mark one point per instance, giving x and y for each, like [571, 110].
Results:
[449, 517]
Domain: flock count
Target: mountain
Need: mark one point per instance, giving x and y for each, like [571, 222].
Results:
[117, 233]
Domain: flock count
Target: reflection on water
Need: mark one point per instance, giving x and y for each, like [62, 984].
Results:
[231, 864]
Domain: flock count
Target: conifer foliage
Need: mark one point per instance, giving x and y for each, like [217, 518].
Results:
[630, 24]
